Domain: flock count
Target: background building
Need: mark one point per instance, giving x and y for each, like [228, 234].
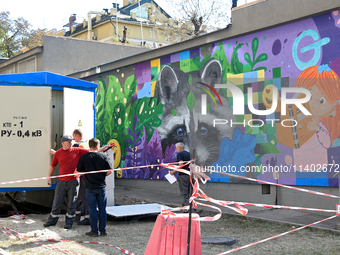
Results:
[132, 19]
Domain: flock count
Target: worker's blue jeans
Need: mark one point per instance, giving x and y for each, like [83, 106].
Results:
[97, 197]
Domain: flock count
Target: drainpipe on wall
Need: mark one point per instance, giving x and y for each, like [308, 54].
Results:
[141, 26]
[117, 21]
[89, 25]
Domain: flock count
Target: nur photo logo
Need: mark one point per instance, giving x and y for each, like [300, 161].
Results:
[238, 99]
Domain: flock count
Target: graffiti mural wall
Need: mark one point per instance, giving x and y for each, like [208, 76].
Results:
[149, 107]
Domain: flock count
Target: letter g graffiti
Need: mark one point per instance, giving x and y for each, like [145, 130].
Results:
[316, 46]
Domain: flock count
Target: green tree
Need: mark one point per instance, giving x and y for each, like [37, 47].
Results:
[16, 34]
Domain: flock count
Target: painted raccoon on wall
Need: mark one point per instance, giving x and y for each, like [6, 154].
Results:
[172, 90]
[205, 139]
[180, 94]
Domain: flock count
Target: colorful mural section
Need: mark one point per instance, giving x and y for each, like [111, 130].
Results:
[149, 107]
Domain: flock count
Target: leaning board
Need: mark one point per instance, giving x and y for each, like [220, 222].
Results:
[134, 210]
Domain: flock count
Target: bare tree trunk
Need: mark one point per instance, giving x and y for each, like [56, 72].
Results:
[124, 35]
[197, 23]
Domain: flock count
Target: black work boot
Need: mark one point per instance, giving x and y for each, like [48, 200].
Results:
[49, 223]
[91, 233]
[68, 226]
[85, 221]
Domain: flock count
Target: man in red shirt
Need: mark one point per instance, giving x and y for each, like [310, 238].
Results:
[67, 157]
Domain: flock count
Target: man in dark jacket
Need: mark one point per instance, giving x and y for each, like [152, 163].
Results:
[95, 185]
[82, 206]
[183, 179]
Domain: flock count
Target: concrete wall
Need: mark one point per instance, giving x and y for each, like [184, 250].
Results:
[252, 193]
[302, 199]
[40, 60]
[230, 192]
[65, 56]
[68, 55]
[269, 42]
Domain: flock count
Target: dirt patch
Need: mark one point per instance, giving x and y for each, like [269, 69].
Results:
[133, 235]
[18, 196]
[125, 200]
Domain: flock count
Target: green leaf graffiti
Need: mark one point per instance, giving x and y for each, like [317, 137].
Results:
[191, 100]
[190, 80]
[147, 110]
[255, 46]
[220, 55]
[236, 65]
[130, 87]
[262, 57]
[113, 104]
[100, 110]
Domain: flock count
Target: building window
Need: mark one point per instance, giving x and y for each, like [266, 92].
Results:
[153, 33]
[27, 65]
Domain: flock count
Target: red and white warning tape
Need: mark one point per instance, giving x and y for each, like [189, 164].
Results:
[287, 207]
[197, 192]
[194, 169]
[270, 238]
[83, 173]
[18, 235]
